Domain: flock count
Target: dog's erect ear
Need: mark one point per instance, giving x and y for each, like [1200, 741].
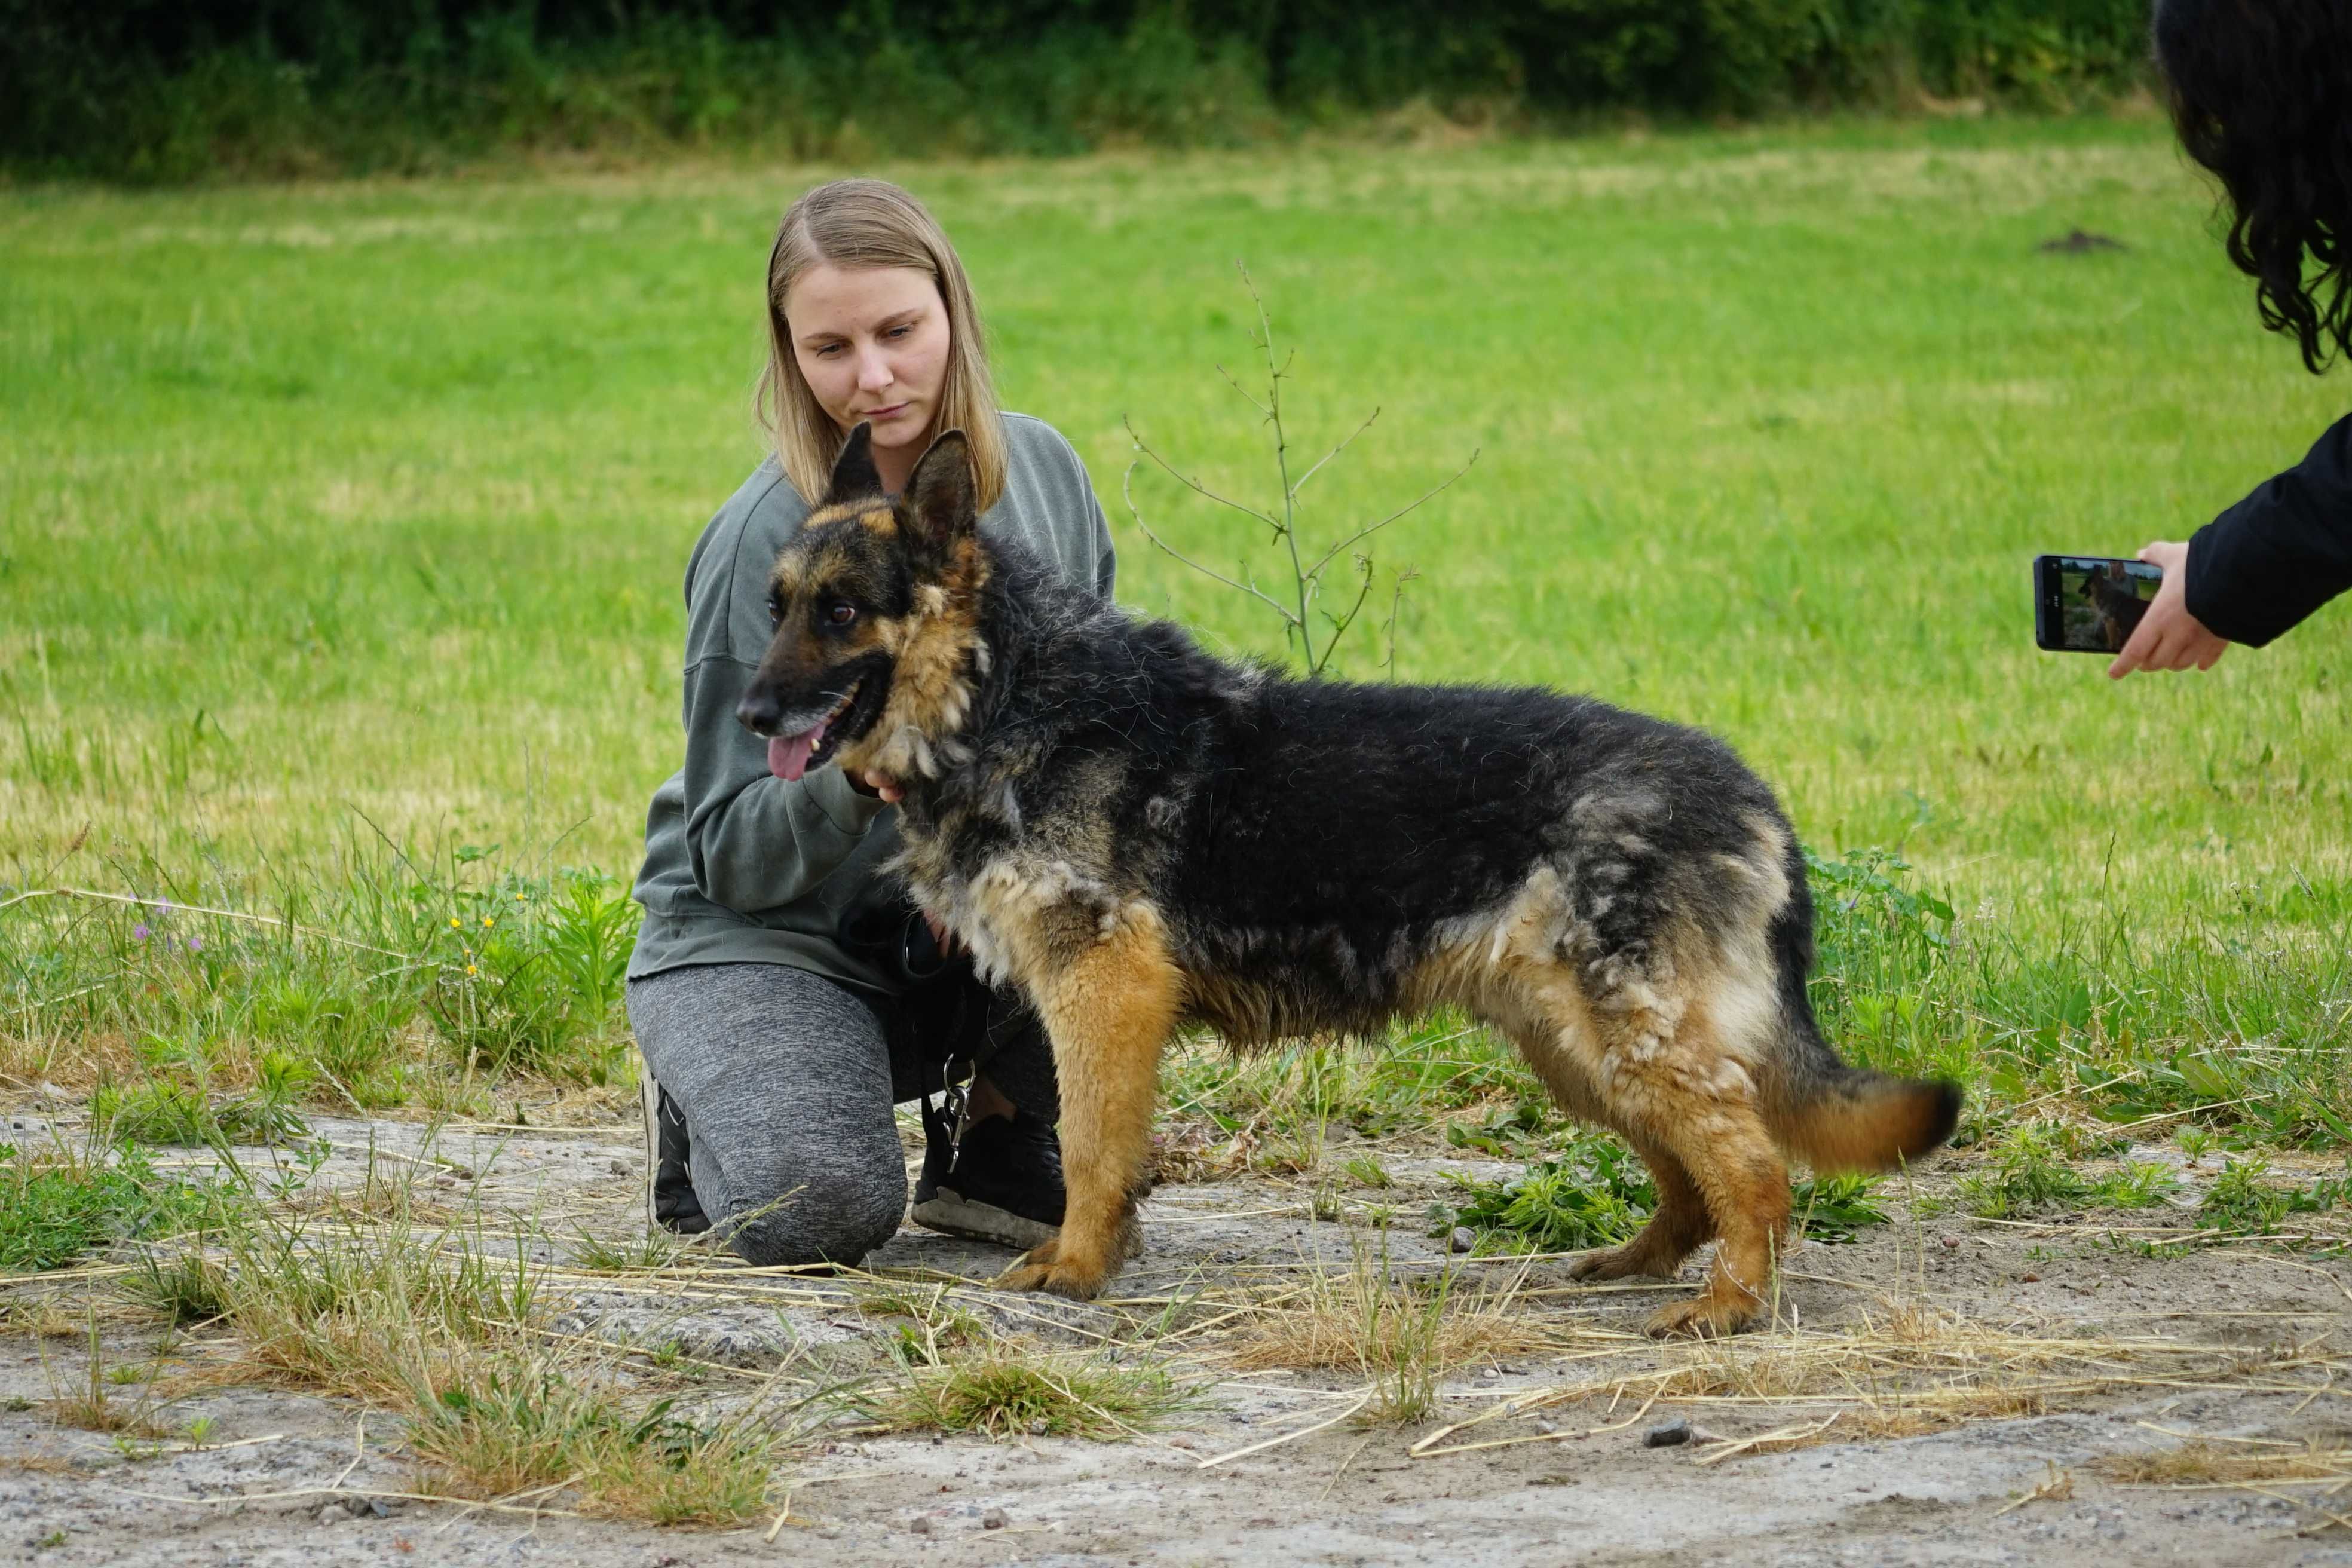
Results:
[939, 507]
[855, 477]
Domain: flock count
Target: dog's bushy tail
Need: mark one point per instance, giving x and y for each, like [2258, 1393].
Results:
[1832, 1116]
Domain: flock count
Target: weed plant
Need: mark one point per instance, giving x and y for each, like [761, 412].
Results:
[2242, 1201]
[515, 1425]
[1598, 1194]
[57, 1206]
[346, 986]
[1002, 1391]
[91, 1403]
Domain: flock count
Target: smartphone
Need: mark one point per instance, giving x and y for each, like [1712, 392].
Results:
[2090, 604]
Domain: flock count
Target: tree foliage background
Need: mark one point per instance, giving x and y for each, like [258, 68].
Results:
[161, 91]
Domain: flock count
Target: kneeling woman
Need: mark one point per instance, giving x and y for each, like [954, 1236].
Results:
[783, 996]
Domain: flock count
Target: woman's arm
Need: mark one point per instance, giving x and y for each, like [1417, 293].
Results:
[754, 841]
[2254, 572]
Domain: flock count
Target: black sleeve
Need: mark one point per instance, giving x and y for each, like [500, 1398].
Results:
[2279, 554]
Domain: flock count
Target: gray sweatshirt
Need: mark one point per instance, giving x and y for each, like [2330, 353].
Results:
[742, 867]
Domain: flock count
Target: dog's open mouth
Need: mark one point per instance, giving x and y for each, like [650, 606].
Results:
[790, 756]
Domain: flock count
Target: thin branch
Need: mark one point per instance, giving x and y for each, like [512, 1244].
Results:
[1396, 603]
[1334, 452]
[1371, 529]
[1339, 626]
[1145, 447]
[1274, 374]
[1126, 491]
[1237, 386]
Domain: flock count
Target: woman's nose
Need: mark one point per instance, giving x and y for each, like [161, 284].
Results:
[873, 372]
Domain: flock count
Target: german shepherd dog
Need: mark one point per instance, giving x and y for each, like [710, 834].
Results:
[1139, 834]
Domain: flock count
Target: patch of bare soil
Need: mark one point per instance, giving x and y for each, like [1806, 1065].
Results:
[1944, 1390]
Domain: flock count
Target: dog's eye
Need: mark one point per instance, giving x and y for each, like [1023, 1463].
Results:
[775, 615]
[841, 611]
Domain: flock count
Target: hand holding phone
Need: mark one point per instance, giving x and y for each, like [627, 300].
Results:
[2090, 604]
[2169, 637]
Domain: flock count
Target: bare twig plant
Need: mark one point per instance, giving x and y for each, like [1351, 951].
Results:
[1298, 608]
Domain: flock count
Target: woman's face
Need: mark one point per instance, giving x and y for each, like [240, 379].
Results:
[871, 342]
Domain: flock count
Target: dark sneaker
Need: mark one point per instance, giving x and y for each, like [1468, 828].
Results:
[1001, 1183]
[670, 1203]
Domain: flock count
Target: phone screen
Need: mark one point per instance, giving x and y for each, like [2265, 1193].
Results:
[2094, 602]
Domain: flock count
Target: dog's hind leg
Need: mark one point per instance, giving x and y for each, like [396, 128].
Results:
[1690, 1106]
[1549, 1038]
[1745, 1184]
[1680, 1227]
[1108, 1003]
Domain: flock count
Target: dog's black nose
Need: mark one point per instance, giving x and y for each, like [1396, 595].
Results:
[759, 711]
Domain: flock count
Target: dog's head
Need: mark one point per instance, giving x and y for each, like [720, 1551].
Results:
[875, 610]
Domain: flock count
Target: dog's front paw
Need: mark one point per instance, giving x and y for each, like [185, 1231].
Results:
[1042, 1267]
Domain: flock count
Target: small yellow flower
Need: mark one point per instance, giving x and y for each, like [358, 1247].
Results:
[471, 970]
[519, 898]
[487, 922]
[455, 922]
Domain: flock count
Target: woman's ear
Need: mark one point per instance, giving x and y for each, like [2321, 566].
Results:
[854, 476]
[938, 507]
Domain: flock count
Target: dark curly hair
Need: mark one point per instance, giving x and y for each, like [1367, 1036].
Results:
[2260, 93]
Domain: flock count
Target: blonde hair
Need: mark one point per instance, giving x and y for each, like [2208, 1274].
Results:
[873, 223]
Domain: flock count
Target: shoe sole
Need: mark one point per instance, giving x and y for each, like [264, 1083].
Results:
[648, 1106]
[947, 1212]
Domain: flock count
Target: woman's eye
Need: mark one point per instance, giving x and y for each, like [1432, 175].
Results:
[841, 611]
[901, 332]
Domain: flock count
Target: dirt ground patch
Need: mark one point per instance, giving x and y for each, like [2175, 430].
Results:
[1943, 1390]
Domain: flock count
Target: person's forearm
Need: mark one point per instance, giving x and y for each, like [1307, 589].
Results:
[755, 841]
[2261, 566]
[774, 841]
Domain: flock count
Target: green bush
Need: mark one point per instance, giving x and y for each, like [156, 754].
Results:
[149, 91]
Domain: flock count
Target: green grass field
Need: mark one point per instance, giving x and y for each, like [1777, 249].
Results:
[327, 511]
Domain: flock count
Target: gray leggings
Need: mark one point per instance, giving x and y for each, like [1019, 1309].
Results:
[785, 1080]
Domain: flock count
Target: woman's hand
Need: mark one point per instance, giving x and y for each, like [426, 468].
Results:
[2168, 637]
[881, 784]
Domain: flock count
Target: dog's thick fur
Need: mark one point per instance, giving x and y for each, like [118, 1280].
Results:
[1138, 833]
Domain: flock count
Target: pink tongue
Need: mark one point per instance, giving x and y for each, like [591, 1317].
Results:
[788, 755]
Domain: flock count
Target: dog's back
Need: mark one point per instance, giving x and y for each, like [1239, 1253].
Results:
[1351, 846]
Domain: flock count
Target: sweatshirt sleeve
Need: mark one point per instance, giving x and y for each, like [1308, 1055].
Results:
[1106, 557]
[753, 841]
[2268, 562]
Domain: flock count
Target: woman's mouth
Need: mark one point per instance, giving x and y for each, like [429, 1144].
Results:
[884, 416]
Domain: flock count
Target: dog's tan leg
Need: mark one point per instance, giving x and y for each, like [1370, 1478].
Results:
[1680, 1227]
[1664, 1077]
[1109, 1008]
[1745, 1184]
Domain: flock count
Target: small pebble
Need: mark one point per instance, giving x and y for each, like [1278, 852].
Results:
[1181, 1441]
[620, 1167]
[1039, 1427]
[333, 1514]
[1666, 1437]
[1547, 1427]
[922, 1525]
[1463, 1240]
[1949, 1241]
[994, 1520]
